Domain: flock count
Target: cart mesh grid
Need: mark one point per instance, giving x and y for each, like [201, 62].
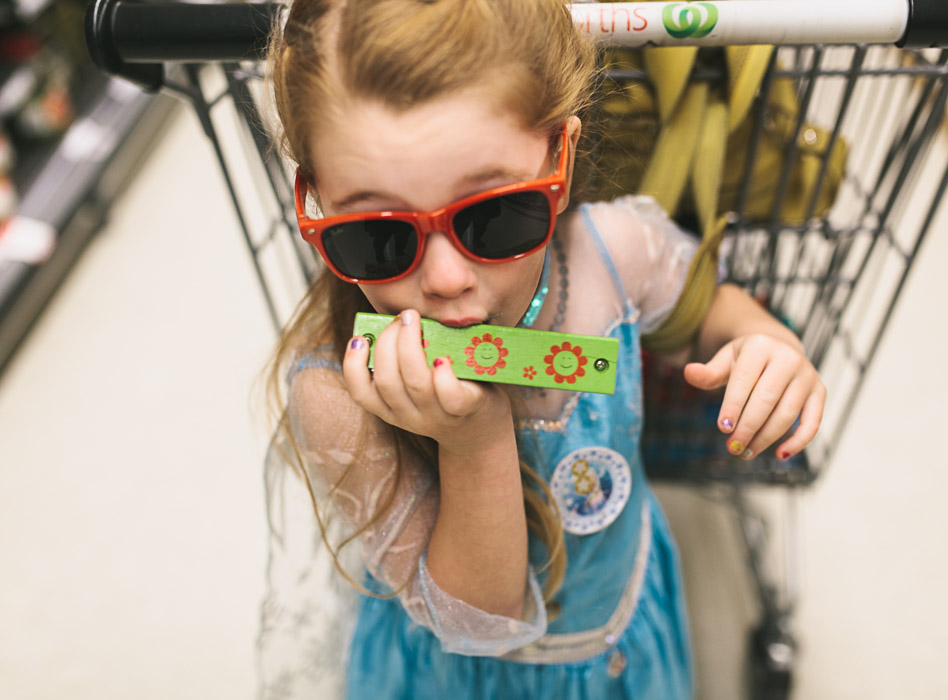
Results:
[834, 279]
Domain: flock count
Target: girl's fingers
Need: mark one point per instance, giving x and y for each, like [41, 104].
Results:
[355, 368]
[455, 397]
[405, 393]
[387, 377]
[767, 394]
[778, 421]
[412, 363]
[359, 381]
[743, 378]
[712, 374]
[810, 418]
[401, 390]
[769, 385]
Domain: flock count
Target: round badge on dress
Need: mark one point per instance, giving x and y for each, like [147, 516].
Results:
[591, 487]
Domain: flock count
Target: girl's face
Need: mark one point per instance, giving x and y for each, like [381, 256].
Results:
[370, 157]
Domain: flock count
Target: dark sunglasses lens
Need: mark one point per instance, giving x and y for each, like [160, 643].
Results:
[371, 250]
[504, 226]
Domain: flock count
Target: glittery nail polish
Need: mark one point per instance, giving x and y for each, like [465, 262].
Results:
[357, 344]
[736, 447]
[726, 423]
[748, 454]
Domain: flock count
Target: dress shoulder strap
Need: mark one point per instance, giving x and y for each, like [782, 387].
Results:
[606, 258]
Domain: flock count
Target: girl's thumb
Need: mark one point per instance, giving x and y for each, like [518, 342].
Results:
[711, 374]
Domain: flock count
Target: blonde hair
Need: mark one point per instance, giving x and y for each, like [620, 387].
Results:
[404, 53]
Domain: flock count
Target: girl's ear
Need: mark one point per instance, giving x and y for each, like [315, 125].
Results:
[573, 129]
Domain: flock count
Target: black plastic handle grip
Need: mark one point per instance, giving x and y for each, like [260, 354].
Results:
[132, 39]
[927, 24]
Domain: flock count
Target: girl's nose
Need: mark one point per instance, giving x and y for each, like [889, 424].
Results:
[445, 271]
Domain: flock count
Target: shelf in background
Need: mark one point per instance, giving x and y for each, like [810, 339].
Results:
[64, 199]
[25, 11]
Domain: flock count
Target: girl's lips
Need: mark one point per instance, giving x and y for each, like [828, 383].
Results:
[460, 322]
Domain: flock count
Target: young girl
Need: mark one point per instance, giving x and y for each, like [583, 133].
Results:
[490, 577]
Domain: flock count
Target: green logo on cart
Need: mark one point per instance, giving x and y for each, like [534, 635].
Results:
[689, 20]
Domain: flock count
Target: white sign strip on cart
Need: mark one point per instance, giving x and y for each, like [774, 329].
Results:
[780, 22]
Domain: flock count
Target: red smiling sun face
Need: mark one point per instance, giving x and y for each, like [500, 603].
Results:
[565, 363]
[486, 354]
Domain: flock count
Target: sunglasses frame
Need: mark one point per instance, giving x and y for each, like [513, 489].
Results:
[552, 187]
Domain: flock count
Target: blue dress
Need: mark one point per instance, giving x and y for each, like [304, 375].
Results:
[622, 630]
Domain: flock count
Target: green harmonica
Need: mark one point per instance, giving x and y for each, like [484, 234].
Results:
[543, 359]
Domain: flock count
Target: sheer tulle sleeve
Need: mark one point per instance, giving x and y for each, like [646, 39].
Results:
[308, 613]
[352, 459]
[650, 252]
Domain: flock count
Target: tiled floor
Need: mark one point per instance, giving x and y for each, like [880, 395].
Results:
[131, 513]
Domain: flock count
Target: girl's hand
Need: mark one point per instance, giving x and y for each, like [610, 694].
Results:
[462, 416]
[769, 384]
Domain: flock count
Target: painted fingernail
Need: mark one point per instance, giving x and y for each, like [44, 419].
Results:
[438, 362]
[726, 423]
[748, 454]
[357, 344]
[784, 455]
[736, 447]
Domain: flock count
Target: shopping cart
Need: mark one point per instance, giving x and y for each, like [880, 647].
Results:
[834, 278]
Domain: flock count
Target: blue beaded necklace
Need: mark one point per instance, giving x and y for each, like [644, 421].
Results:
[543, 288]
[530, 317]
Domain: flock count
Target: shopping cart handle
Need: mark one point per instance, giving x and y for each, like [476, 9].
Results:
[133, 40]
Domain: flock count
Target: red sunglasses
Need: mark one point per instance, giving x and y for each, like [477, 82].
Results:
[501, 224]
